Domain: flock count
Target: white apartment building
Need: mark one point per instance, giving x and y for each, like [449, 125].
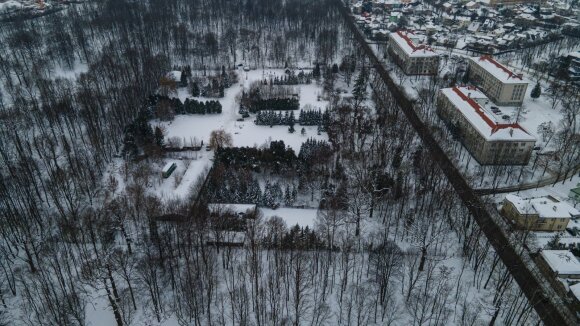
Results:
[499, 83]
[413, 58]
[467, 112]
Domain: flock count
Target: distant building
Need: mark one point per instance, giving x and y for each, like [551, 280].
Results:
[504, 3]
[412, 58]
[499, 83]
[470, 116]
[561, 268]
[538, 214]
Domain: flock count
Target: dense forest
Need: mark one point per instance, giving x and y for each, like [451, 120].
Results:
[392, 244]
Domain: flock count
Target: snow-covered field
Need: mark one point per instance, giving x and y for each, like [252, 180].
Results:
[293, 216]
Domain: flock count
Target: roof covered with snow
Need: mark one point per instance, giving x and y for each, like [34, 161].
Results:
[168, 166]
[576, 290]
[174, 75]
[499, 71]
[545, 207]
[464, 99]
[235, 208]
[561, 261]
[405, 41]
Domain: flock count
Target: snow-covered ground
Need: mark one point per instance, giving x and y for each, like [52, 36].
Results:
[179, 183]
[64, 72]
[293, 216]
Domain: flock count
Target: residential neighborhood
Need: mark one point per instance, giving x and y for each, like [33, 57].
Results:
[289, 162]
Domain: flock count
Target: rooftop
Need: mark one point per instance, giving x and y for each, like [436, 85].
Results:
[470, 102]
[498, 70]
[561, 261]
[405, 40]
[545, 207]
[234, 208]
[576, 290]
[168, 166]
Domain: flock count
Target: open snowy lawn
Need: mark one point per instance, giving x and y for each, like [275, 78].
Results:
[292, 216]
[65, 72]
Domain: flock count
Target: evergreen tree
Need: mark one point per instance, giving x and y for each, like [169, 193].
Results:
[316, 71]
[159, 138]
[335, 68]
[536, 91]
[554, 243]
[288, 196]
[195, 89]
[268, 199]
[183, 80]
[303, 131]
[360, 86]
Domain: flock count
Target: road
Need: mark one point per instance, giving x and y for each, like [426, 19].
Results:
[531, 287]
[527, 186]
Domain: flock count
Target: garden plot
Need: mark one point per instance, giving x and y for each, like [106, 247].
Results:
[244, 133]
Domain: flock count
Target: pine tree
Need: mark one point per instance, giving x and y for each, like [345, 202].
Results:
[360, 86]
[288, 196]
[183, 81]
[316, 71]
[554, 243]
[303, 131]
[195, 89]
[159, 138]
[536, 91]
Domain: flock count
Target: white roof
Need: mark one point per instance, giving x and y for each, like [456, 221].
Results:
[174, 75]
[575, 54]
[236, 208]
[168, 166]
[561, 261]
[545, 207]
[576, 290]
[404, 40]
[498, 70]
[467, 101]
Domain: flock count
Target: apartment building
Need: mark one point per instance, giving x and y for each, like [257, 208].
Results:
[506, 3]
[413, 58]
[469, 115]
[538, 214]
[499, 83]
